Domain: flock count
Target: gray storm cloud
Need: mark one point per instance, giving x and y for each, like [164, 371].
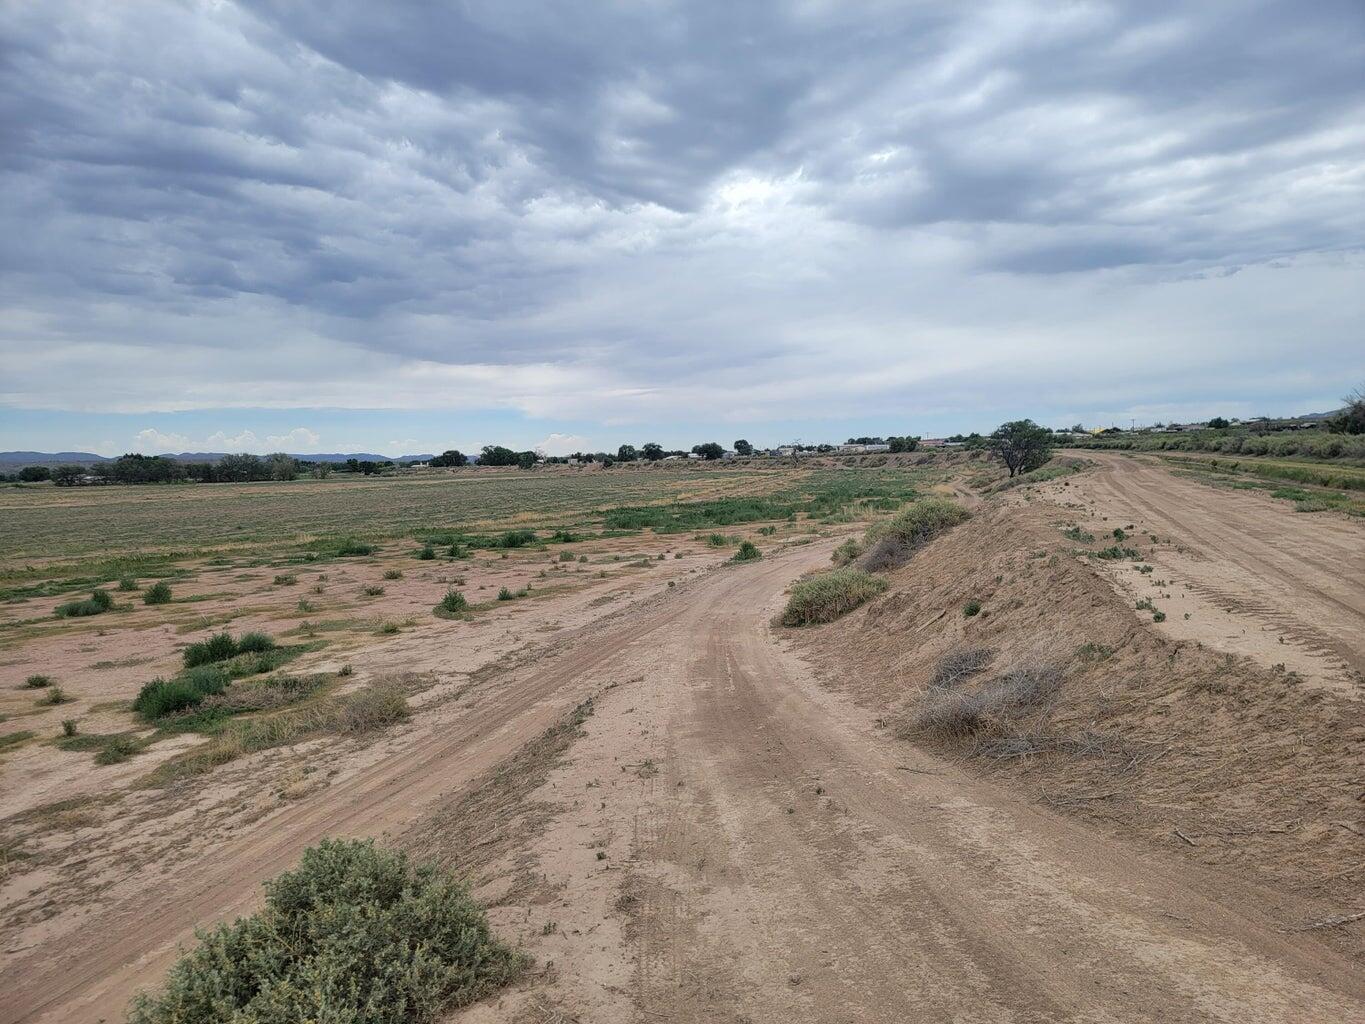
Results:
[627, 210]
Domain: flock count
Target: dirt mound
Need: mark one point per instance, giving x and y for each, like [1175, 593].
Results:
[1239, 767]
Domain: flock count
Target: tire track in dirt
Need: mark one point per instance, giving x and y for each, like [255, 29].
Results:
[1300, 575]
[792, 864]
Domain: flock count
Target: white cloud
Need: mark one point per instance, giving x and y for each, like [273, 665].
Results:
[561, 444]
[151, 441]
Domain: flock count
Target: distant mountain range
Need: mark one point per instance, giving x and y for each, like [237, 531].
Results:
[17, 460]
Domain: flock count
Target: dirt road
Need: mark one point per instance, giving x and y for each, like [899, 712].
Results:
[766, 855]
[1262, 580]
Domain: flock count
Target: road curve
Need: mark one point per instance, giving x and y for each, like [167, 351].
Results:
[797, 865]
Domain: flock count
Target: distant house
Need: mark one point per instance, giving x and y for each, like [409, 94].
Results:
[785, 452]
[728, 454]
[933, 442]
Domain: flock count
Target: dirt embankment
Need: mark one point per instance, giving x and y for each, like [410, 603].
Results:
[1206, 755]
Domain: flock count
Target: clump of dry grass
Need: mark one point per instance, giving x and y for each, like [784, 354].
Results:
[993, 705]
[957, 666]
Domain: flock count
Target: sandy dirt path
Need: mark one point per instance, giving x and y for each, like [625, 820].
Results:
[1272, 579]
[789, 863]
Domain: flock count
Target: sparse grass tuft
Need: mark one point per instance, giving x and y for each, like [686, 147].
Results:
[393, 574]
[355, 933]
[127, 583]
[825, 597]
[374, 590]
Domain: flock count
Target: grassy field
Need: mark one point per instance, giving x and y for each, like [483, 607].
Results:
[90, 535]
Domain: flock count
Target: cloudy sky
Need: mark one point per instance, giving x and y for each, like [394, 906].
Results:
[408, 226]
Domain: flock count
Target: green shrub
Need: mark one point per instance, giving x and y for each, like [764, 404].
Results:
[825, 597]
[158, 593]
[118, 749]
[719, 540]
[69, 727]
[427, 553]
[515, 539]
[56, 695]
[452, 604]
[847, 552]
[127, 583]
[99, 601]
[1114, 553]
[393, 574]
[162, 697]
[285, 581]
[354, 934]
[37, 682]
[354, 547]
[767, 531]
[255, 642]
[505, 595]
[374, 590]
[567, 556]
[748, 552]
[218, 647]
[971, 608]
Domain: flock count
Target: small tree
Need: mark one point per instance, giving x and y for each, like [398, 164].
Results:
[1351, 420]
[710, 450]
[1218, 423]
[34, 474]
[450, 457]
[627, 453]
[652, 451]
[526, 460]
[1022, 445]
[282, 466]
[67, 475]
[743, 447]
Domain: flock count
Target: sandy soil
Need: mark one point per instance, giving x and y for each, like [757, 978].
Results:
[738, 835]
[1243, 573]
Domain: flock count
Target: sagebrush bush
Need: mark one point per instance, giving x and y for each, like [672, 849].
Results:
[891, 543]
[393, 574]
[374, 590]
[355, 934]
[158, 593]
[354, 547]
[127, 583]
[427, 553]
[825, 597]
[37, 682]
